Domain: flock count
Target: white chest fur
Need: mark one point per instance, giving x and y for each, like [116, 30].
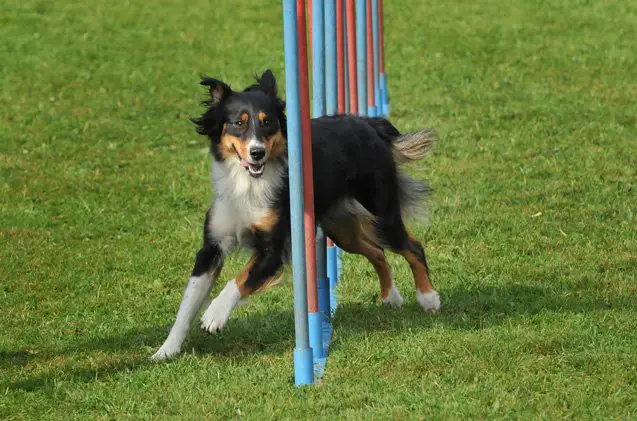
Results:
[240, 200]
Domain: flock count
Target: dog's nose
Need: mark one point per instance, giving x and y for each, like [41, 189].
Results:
[257, 153]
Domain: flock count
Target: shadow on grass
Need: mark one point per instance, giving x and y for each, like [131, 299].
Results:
[271, 333]
[88, 372]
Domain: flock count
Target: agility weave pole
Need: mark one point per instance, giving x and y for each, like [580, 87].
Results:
[348, 76]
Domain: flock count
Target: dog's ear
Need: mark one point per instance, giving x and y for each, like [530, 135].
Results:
[267, 83]
[211, 122]
[218, 90]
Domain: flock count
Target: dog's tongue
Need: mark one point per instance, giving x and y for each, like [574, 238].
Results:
[244, 164]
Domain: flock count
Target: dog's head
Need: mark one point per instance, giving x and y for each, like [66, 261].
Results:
[248, 127]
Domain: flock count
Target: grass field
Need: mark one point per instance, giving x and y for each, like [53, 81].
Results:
[532, 241]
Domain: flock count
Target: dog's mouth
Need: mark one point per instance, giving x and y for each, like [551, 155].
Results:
[255, 170]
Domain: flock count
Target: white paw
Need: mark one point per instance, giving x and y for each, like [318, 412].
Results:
[215, 317]
[429, 301]
[393, 298]
[218, 312]
[165, 352]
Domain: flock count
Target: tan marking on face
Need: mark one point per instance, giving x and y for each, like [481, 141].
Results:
[267, 223]
[225, 148]
[275, 145]
[262, 116]
[229, 143]
[245, 117]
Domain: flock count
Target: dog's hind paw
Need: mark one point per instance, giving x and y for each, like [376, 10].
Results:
[429, 301]
[393, 299]
[165, 352]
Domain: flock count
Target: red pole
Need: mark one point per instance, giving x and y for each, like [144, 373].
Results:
[308, 184]
[371, 102]
[340, 58]
[351, 56]
[309, 19]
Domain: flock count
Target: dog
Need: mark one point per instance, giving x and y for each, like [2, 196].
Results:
[360, 199]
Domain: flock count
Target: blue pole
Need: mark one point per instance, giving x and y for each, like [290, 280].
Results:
[377, 91]
[331, 83]
[381, 46]
[383, 84]
[318, 59]
[345, 52]
[332, 274]
[321, 273]
[339, 263]
[303, 361]
[361, 56]
[317, 320]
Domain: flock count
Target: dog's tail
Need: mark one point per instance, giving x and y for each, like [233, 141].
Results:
[413, 146]
[407, 148]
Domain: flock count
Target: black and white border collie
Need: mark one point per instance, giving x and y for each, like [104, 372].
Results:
[360, 199]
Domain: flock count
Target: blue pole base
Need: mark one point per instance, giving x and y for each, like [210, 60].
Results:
[303, 366]
[324, 295]
[333, 301]
[320, 362]
[332, 266]
[315, 321]
[327, 336]
[371, 111]
[339, 263]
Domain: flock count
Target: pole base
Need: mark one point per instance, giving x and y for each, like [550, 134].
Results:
[303, 366]
[332, 266]
[315, 321]
[339, 264]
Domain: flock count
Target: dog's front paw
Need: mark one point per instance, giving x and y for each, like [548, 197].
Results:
[218, 312]
[215, 318]
[429, 301]
[165, 352]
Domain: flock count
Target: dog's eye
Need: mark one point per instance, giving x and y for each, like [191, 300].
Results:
[239, 124]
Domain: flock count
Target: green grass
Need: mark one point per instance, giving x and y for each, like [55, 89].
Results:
[532, 241]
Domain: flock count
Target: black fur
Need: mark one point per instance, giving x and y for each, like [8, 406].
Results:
[208, 257]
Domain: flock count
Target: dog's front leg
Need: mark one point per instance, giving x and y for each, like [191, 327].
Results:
[208, 265]
[258, 274]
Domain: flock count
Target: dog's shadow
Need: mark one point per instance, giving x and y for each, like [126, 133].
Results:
[272, 332]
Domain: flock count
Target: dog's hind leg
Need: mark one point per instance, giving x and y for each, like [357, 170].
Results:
[394, 234]
[353, 236]
[426, 296]
[208, 265]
